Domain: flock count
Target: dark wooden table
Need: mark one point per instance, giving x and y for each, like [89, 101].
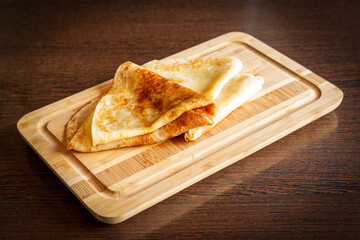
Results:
[305, 185]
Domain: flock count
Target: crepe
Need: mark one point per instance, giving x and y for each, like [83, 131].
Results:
[217, 78]
[129, 114]
[141, 108]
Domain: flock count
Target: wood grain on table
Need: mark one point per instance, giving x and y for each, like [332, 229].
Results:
[304, 185]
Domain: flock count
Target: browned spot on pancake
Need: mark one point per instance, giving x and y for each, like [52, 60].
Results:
[144, 94]
[175, 85]
[158, 105]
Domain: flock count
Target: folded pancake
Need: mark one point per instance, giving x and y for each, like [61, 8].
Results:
[141, 108]
[215, 78]
[82, 140]
[234, 94]
[205, 76]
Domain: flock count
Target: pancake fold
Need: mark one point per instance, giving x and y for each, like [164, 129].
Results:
[142, 107]
[160, 100]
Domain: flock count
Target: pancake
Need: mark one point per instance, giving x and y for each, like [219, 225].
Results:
[160, 100]
[141, 108]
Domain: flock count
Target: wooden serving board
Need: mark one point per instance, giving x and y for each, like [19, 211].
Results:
[117, 184]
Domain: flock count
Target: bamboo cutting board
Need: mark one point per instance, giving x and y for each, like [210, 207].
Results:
[117, 184]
